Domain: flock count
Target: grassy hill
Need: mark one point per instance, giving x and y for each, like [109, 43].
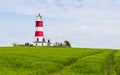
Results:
[58, 61]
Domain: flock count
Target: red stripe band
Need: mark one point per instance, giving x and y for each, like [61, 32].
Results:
[39, 23]
[39, 33]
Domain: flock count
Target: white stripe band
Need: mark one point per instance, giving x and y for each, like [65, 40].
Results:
[39, 28]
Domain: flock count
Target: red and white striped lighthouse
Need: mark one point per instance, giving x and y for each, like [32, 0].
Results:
[39, 34]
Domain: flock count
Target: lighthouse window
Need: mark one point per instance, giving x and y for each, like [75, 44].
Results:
[37, 39]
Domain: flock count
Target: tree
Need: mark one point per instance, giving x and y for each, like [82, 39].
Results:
[27, 44]
[14, 44]
[67, 43]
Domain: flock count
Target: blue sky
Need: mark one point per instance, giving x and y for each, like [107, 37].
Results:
[85, 23]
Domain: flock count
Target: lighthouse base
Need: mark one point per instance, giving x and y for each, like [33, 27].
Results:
[40, 43]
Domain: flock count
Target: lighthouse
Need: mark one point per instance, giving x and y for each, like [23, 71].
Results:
[39, 33]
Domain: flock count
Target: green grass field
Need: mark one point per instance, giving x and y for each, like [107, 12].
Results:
[58, 61]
